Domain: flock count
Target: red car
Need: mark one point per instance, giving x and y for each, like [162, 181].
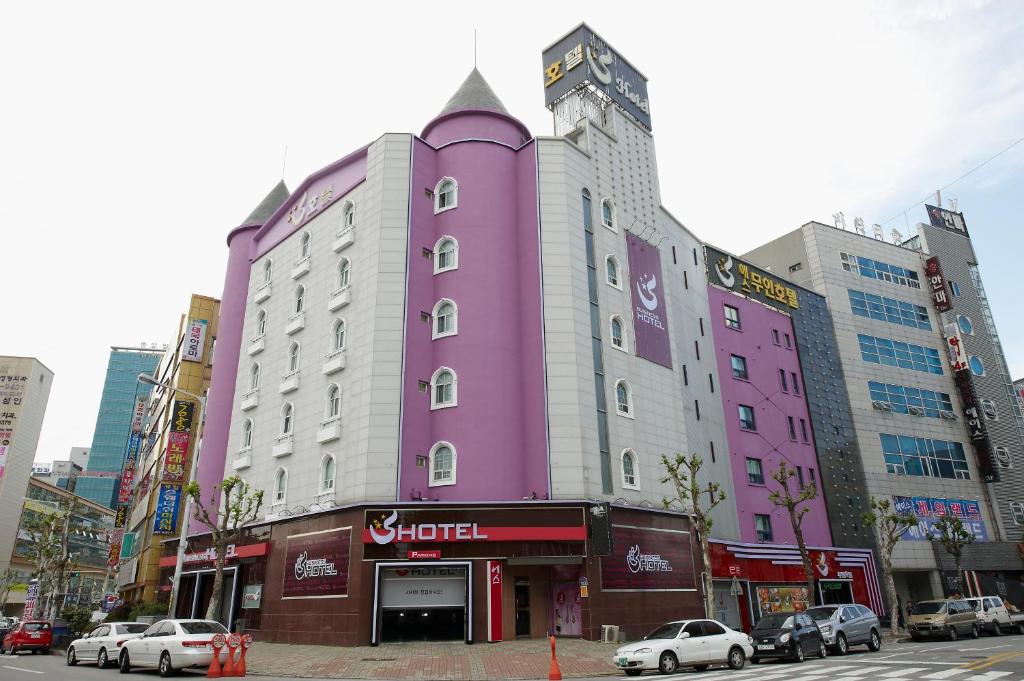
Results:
[33, 635]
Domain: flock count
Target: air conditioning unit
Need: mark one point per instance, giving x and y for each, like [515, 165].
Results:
[916, 411]
[881, 405]
[609, 633]
[948, 415]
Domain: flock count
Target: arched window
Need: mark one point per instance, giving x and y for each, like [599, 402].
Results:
[623, 399]
[344, 273]
[442, 464]
[611, 269]
[348, 215]
[446, 195]
[280, 486]
[254, 376]
[446, 318]
[618, 333]
[332, 409]
[338, 337]
[629, 469]
[443, 389]
[268, 270]
[446, 254]
[305, 243]
[327, 467]
[608, 213]
[293, 357]
[300, 299]
[261, 323]
[247, 434]
[287, 418]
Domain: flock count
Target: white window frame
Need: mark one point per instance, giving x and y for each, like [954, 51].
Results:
[433, 389]
[610, 202]
[617, 284]
[624, 345]
[287, 419]
[437, 195]
[335, 348]
[631, 455]
[254, 376]
[342, 285]
[329, 413]
[280, 489]
[247, 428]
[630, 406]
[430, 465]
[437, 254]
[1017, 511]
[995, 412]
[305, 246]
[261, 324]
[294, 356]
[348, 216]
[434, 316]
[730, 323]
[268, 271]
[300, 300]
[327, 486]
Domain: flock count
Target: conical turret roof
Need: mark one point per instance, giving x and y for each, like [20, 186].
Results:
[474, 93]
[270, 203]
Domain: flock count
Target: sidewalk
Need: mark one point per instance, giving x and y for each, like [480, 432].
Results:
[449, 661]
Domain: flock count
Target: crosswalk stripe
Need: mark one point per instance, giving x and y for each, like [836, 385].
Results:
[945, 674]
[861, 671]
[903, 672]
[987, 676]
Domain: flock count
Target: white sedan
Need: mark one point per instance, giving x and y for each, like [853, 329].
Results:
[686, 643]
[172, 644]
[103, 643]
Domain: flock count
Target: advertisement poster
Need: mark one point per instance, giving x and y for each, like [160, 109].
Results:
[165, 519]
[30, 600]
[13, 379]
[930, 509]
[647, 291]
[177, 441]
[781, 598]
[195, 338]
[316, 564]
[648, 560]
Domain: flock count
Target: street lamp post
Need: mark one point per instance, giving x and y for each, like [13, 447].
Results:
[187, 508]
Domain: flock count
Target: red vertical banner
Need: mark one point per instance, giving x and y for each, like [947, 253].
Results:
[494, 610]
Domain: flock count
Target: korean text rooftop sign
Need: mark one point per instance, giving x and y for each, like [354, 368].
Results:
[947, 219]
[752, 282]
[583, 58]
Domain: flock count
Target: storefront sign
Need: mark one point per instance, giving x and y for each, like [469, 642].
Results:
[114, 553]
[209, 555]
[459, 525]
[955, 347]
[983, 451]
[930, 510]
[494, 600]
[124, 490]
[165, 518]
[583, 57]
[937, 284]
[13, 379]
[30, 600]
[316, 564]
[782, 598]
[423, 587]
[127, 574]
[310, 204]
[742, 277]
[423, 555]
[127, 546]
[648, 560]
[178, 441]
[252, 596]
[946, 219]
[647, 291]
[121, 515]
[195, 338]
[584, 587]
[138, 415]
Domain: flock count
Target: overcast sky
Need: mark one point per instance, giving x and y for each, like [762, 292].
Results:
[132, 139]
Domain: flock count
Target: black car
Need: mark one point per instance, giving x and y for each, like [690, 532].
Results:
[790, 635]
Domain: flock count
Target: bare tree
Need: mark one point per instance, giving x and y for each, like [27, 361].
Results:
[784, 498]
[50, 551]
[889, 526]
[240, 505]
[682, 473]
[8, 578]
[954, 537]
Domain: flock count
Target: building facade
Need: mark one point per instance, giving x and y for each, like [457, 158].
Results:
[915, 447]
[110, 440]
[456, 359]
[62, 474]
[149, 503]
[24, 392]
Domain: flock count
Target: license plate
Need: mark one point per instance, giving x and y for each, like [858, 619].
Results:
[768, 647]
[36, 635]
[622, 661]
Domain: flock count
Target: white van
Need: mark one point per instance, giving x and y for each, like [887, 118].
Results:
[992, 613]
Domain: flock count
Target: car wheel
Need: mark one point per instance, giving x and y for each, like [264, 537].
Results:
[821, 649]
[667, 663]
[102, 661]
[701, 667]
[13, 650]
[736, 658]
[165, 664]
[996, 630]
[798, 652]
[1020, 628]
[952, 633]
[124, 663]
[634, 672]
[842, 647]
[875, 642]
[915, 637]
[975, 633]
[72, 660]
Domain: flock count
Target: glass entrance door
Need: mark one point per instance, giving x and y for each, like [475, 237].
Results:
[522, 598]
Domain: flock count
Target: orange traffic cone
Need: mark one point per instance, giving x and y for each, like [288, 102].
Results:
[244, 646]
[214, 671]
[555, 674]
[229, 664]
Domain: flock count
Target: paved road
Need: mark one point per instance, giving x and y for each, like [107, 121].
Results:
[986, 659]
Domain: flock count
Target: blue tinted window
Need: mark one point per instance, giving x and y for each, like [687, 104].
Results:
[977, 366]
[906, 455]
[897, 353]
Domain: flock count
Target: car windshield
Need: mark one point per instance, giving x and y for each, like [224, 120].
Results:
[822, 613]
[670, 630]
[131, 628]
[203, 628]
[37, 626]
[779, 621]
[929, 608]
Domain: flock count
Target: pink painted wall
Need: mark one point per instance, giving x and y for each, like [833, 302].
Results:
[771, 442]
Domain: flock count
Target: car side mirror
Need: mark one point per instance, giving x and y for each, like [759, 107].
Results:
[685, 634]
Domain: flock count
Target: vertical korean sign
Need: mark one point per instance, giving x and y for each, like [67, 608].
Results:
[494, 604]
[13, 379]
[177, 441]
[195, 338]
[647, 290]
[937, 284]
[165, 519]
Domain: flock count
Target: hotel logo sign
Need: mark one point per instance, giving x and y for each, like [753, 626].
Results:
[741, 277]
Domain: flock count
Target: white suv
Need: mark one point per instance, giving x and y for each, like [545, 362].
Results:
[992, 614]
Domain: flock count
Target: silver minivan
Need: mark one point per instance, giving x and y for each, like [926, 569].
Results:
[847, 625]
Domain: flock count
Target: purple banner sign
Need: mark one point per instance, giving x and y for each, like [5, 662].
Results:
[648, 560]
[316, 564]
[647, 289]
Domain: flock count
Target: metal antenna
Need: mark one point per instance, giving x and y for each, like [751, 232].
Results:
[474, 48]
[284, 162]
